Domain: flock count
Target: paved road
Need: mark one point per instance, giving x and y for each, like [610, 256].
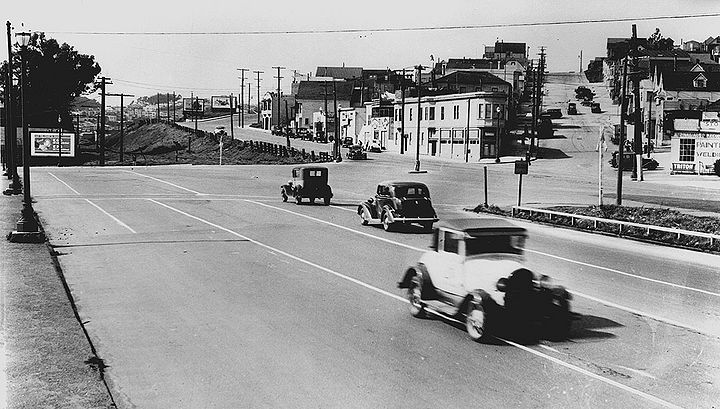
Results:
[201, 289]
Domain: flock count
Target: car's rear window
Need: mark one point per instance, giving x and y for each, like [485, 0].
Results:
[314, 173]
[411, 191]
[494, 244]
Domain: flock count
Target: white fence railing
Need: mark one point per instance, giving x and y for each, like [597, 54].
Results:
[620, 223]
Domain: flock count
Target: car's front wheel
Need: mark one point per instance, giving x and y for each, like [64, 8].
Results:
[298, 199]
[414, 296]
[364, 215]
[386, 222]
[476, 321]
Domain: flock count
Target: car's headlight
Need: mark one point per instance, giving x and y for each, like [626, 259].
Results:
[502, 285]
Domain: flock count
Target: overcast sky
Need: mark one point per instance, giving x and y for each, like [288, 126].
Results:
[207, 63]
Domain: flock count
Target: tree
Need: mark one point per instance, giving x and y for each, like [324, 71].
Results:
[54, 76]
[658, 43]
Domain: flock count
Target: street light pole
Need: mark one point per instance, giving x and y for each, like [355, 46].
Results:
[27, 226]
[59, 140]
[497, 136]
[419, 115]
[15, 187]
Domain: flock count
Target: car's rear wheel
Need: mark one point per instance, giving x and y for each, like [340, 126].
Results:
[476, 321]
[284, 196]
[559, 321]
[386, 222]
[414, 296]
[298, 199]
[427, 226]
[327, 201]
[312, 200]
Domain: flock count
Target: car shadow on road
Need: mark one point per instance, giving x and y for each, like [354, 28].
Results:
[587, 327]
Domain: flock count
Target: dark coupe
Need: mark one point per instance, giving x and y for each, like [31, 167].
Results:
[399, 203]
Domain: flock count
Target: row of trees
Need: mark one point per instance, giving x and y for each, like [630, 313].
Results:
[55, 75]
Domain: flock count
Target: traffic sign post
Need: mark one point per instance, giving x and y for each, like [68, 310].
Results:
[521, 168]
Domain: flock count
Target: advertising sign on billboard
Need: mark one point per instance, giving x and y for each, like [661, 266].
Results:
[46, 144]
[193, 104]
[220, 102]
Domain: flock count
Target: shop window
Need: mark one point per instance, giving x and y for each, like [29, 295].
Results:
[687, 150]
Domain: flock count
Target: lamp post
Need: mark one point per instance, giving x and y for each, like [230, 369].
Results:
[497, 136]
[27, 227]
[59, 140]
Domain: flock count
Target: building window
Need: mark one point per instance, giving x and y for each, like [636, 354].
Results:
[687, 150]
[432, 114]
[480, 111]
[426, 113]
[411, 114]
[488, 111]
[700, 82]
[442, 113]
[456, 112]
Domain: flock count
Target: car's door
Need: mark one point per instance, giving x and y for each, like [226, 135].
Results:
[446, 269]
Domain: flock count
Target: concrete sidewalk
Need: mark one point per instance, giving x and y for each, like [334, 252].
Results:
[45, 358]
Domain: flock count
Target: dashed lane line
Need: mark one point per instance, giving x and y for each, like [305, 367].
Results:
[539, 354]
[118, 221]
[164, 181]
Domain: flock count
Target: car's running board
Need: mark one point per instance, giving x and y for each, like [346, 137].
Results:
[441, 307]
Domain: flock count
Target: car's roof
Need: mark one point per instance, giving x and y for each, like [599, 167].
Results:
[401, 183]
[310, 168]
[480, 225]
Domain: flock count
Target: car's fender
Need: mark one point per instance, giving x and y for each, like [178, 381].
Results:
[480, 297]
[390, 212]
[367, 205]
[428, 289]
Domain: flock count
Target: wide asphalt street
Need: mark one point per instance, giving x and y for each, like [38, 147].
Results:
[200, 288]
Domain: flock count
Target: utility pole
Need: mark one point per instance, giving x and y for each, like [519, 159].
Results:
[402, 114]
[258, 94]
[621, 141]
[122, 121]
[242, 97]
[103, 82]
[539, 91]
[581, 63]
[637, 117]
[167, 101]
[158, 107]
[533, 124]
[11, 150]
[287, 136]
[174, 99]
[325, 113]
[419, 69]
[232, 132]
[336, 145]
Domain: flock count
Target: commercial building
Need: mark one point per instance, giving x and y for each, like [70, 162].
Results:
[695, 145]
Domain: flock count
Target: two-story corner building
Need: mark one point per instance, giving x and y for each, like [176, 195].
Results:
[277, 113]
[352, 121]
[463, 127]
[506, 51]
[712, 46]
[314, 97]
[473, 81]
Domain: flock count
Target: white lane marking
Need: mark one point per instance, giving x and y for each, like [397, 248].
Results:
[396, 297]
[343, 208]
[339, 226]
[641, 313]
[275, 250]
[163, 181]
[63, 182]
[549, 348]
[118, 221]
[612, 270]
[616, 384]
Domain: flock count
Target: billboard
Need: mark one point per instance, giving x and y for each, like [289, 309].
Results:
[193, 104]
[220, 102]
[46, 144]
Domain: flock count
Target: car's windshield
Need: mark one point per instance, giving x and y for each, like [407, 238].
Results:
[411, 191]
[494, 244]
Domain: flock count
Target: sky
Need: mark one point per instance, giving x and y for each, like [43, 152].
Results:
[219, 36]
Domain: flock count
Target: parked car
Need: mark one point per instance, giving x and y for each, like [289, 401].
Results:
[475, 273]
[629, 159]
[275, 130]
[356, 152]
[586, 102]
[572, 108]
[595, 108]
[309, 182]
[347, 141]
[399, 203]
[303, 133]
[554, 113]
[375, 147]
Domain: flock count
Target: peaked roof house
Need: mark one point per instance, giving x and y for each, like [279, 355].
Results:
[473, 81]
[315, 98]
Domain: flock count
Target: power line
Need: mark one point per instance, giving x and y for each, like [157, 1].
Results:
[385, 30]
